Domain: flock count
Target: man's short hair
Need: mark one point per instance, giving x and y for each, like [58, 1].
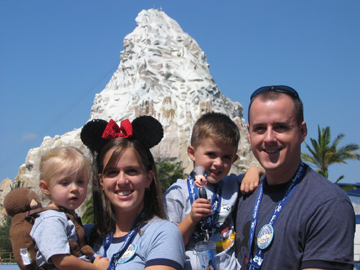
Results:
[275, 95]
[216, 126]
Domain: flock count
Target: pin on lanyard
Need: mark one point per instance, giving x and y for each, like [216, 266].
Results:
[206, 227]
[107, 240]
[266, 233]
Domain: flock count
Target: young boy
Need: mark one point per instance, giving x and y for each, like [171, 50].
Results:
[214, 143]
[65, 173]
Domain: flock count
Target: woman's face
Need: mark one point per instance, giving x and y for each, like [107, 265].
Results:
[125, 181]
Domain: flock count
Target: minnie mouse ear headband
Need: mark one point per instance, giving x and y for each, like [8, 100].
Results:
[146, 129]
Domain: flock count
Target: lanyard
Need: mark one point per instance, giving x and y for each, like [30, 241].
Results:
[107, 240]
[215, 206]
[290, 188]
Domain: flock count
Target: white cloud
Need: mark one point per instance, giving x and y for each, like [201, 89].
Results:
[30, 136]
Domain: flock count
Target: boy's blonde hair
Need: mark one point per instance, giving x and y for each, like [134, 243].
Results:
[68, 160]
[216, 126]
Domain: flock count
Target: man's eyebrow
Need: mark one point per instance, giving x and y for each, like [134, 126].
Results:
[282, 123]
[258, 124]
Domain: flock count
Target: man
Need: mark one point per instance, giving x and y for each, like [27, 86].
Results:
[296, 219]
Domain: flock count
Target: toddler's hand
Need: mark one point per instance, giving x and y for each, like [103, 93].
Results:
[101, 263]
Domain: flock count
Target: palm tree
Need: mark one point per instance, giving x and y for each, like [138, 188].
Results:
[323, 154]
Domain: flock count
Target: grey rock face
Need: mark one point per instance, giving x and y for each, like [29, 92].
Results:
[163, 73]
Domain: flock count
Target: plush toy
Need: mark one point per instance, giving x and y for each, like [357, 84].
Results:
[23, 205]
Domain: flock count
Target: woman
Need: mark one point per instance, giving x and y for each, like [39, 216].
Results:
[128, 206]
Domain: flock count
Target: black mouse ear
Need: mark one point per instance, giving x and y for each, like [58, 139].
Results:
[91, 134]
[147, 130]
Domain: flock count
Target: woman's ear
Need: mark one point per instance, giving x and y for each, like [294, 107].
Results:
[150, 177]
[44, 188]
[100, 179]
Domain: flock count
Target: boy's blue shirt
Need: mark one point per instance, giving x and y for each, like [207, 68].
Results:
[178, 206]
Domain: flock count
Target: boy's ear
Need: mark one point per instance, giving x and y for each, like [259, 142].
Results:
[235, 158]
[44, 187]
[191, 152]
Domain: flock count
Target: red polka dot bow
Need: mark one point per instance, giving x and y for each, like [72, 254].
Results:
[113, 131]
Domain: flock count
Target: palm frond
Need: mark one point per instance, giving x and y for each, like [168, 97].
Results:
[323, 154]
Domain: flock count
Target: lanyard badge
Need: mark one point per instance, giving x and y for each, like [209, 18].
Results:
[206, 225]
[205, 249]
[127, 250]
[266, 233]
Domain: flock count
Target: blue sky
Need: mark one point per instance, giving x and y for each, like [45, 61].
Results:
[56, 55]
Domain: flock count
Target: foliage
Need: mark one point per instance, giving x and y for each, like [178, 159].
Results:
[88, 216]
[169, 173]
[5, 244]
[323, 154]
[16, 184]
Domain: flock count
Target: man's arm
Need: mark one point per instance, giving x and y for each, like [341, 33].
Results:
[330, 237]
[316, 269]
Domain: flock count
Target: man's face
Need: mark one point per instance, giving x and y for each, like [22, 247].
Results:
[275, 136]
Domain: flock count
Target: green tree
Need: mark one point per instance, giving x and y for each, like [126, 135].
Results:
[323, 153]
[16, 184]
[5, 244]
[168, 173]
[88, 216]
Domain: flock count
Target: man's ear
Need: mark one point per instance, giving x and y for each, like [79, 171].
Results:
[191, 152]
[248, 133]
[303, 131]
[44, 187]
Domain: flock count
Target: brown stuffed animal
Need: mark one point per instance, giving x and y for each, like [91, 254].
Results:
[80, 245]
[23, 205]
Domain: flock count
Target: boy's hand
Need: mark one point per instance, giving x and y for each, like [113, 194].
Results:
[251, 180]
[200, 208]
[101, 263]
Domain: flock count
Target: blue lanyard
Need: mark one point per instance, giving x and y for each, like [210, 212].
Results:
[215, 205]
[107, 240]
[290, 188]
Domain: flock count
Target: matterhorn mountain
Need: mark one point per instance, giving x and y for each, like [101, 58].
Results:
[163, 73]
